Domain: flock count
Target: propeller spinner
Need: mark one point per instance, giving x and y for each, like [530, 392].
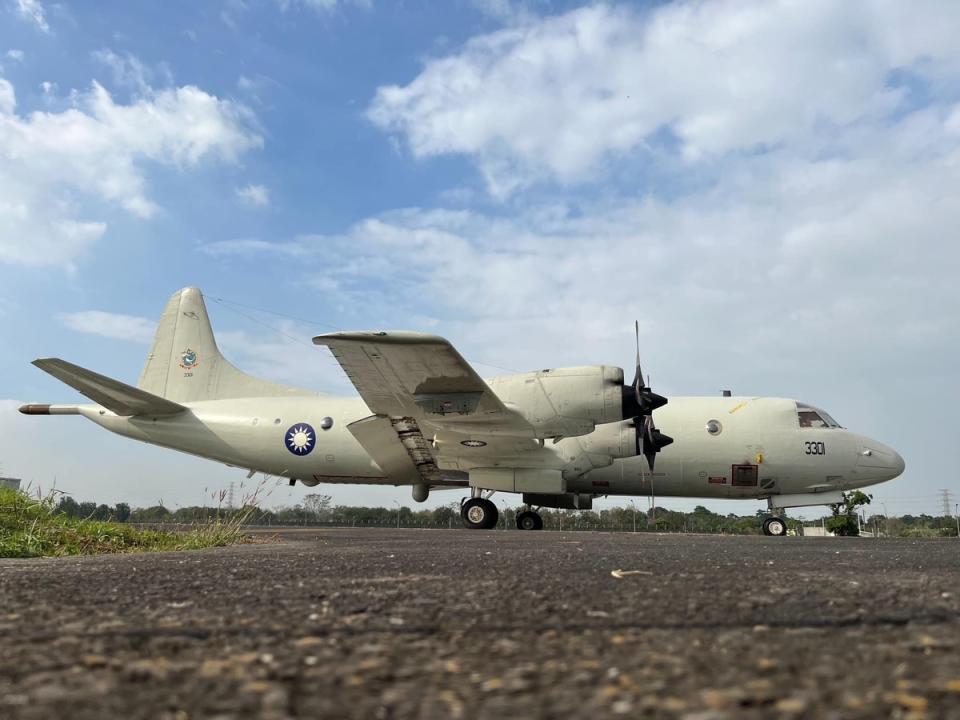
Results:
[639, 402]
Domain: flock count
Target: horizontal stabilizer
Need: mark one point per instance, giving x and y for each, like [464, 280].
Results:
[112, 394]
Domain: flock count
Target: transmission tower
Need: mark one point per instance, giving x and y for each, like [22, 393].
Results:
[945, 502]
[230, 496]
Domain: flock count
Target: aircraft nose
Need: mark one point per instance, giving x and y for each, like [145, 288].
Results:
[876, 456]
[899, 465]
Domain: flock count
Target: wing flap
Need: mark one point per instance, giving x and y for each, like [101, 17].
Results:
[378, 437]
[114, 395]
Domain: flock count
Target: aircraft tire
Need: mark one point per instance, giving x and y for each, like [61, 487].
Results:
[479, 514]
[529, 520]
[775, 527]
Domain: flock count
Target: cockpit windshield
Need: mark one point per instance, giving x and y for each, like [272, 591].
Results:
[811, 417]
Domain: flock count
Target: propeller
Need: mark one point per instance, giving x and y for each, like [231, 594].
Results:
[639, 402]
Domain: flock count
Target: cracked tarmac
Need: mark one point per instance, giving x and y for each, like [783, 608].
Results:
[463, 624]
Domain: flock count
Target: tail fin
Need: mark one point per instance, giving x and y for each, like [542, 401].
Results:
[185, 365]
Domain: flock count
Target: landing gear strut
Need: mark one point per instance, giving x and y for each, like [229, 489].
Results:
[479, 514]
[775, 526]
[529, 520]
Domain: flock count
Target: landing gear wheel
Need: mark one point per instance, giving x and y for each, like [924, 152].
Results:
[479, 514]
[529, 520]
[775, 526]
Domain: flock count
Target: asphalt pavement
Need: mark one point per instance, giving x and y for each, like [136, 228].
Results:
[465, 624]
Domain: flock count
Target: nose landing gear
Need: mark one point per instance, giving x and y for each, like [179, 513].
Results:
[775, 526]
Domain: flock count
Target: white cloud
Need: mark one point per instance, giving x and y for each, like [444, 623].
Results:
[8, 98]
[110, 325]
[249, 247]
[100, 149]
[510, 12]
[322, 6]
[787, 268]
[285, 355]
[33, 11]
[16, 55]
[561, 98]
[128, 71]
[254, 195]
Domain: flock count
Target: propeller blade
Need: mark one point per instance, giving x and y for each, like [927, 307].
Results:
[639, 402]
[636, 334]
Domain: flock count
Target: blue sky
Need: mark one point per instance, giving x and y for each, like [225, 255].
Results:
[769, 187]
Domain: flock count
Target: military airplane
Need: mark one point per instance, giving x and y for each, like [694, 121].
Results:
[558, 437]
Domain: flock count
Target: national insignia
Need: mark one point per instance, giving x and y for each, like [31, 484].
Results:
[300, 439]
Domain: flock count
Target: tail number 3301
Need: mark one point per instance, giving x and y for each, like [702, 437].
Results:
[815, 448]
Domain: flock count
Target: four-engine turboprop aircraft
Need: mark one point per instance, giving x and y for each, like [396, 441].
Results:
[424, 418]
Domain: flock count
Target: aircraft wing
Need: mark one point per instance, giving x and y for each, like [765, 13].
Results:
[420, 376]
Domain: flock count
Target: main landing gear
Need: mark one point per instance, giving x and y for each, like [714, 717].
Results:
[529, 520]
[775, 526]
[479, 513]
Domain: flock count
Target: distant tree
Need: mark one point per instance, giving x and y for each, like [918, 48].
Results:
[156, 513]
[69, 506]
[87, 509]
[121, 512]
[318, 505]
[844, 520]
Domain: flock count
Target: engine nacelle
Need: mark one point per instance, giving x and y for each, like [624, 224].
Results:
[564, 401]
[597, 449]
[309, 482]
[615, 440]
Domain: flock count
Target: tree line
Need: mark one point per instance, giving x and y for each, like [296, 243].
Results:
[318, 510]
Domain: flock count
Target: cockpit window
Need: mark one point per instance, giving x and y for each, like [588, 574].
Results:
[811, 417]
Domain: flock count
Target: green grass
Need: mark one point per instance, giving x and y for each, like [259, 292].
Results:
[31, 527]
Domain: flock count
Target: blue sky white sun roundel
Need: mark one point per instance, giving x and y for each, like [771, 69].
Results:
[300, 439]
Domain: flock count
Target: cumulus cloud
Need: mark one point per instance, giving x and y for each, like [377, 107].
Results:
[33, 11]
[561, 98]
[788, 266]
[110, 325]
[254, 195]
[15, 55]
[101, 149]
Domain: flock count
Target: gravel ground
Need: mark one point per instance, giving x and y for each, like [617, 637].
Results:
[461, 624]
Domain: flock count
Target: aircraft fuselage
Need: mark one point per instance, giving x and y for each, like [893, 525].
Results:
[724, 447]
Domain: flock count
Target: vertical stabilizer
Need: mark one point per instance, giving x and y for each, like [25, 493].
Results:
[185, 365]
